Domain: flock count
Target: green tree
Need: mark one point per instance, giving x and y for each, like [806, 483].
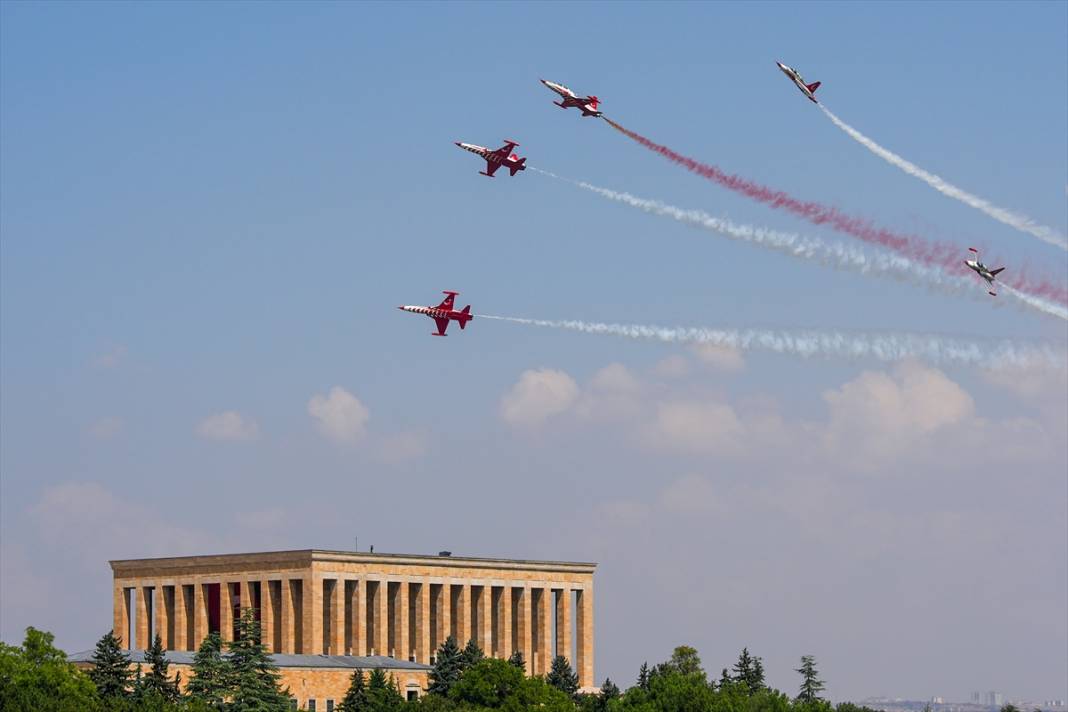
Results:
[1010, 708]
[609, 692]
[111, 668]
[518, 661]
[448, 666]
[811, 684]
[643, 676]
[724, 679]
[253, 676]
[158, 682]
[756, 682]
[355, 699]
[497, 684]
[210, 681]
[562, 677]
[743, 669]
[686, 661]
[37, 676]
[472, 654]
[382, 693]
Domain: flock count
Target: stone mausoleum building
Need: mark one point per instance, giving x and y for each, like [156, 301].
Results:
[324, 613]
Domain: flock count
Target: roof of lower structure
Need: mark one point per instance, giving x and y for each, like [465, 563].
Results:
[350, 662]
[306, 556]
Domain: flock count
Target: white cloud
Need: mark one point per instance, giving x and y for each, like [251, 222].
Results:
[537, 396]
[229, 425]
[723, 358]
[697, 426]
[106, 428]
[879, 415]
[340, 415]
[674, 366]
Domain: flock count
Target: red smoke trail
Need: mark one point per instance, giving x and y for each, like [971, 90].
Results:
[939, 254]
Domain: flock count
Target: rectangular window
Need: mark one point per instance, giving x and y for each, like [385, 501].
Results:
[311, 705]
[329, 706]
[292, 704]
[413, 695]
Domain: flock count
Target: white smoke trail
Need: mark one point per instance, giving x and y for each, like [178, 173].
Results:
[843, 344]
[830, 254]
[1020, 222]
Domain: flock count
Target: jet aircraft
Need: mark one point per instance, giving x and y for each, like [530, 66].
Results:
[442, 313]
[503, 156]
[587, 105]
[808, 90]
[983, 271]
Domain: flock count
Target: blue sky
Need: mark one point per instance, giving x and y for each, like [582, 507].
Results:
[213, 209]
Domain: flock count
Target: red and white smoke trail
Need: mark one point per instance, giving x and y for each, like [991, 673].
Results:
[1007, 217]
[941, 254]
[837, 255]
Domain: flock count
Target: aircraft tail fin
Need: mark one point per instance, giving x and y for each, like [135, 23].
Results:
[465, 316]
[995, 271]
[813, 87]
[519, 166]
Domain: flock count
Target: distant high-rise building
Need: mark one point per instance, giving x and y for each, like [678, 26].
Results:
[995, 698]
[977, 698]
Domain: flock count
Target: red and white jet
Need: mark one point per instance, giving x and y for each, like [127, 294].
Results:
[588, 105]
[808, 90]
[503, 156]
[442, 313]
[983, 271]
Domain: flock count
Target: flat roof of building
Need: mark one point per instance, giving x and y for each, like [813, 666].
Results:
[309, 555]
[351, 662]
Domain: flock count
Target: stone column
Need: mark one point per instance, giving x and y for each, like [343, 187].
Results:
[563, 624]
[200, 615]
[141, 640]
[463, 613]
[181, 621]
[359, 616]
[523, 633]
[584, 636]
[422, 624]
[286, 617]
[161, 617]
[544, 630]
[245, 594]
[485, 619]
[120, 622]
[337, 618]
[312, 615]
[268, 616]
[506, 637]
[226, 611]
[381, 616]
[401, 613]
[445, 613]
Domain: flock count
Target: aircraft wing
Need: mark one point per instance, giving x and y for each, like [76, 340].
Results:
[506, 149]
[443, 324]
[491, 168]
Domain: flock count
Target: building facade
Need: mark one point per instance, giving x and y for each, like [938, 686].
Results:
[338, 603]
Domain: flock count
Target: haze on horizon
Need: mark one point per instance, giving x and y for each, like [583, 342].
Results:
[210, 212]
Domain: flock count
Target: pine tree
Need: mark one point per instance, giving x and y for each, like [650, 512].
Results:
[472, 654]
[111, 668]
[743, 669]
[210, 680]
[562, 677]
[643, 676]
[811, 684]
[448, 666]
[137, 693]
[756, 679]
[382, 692]
[158, 682]
[609, 691]
[518, 661]
[356, 697]
[253, 674]
[724, 679]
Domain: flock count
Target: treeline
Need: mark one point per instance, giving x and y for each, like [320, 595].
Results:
[37, 676]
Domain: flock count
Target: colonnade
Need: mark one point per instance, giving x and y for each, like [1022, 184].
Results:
[402, 617]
